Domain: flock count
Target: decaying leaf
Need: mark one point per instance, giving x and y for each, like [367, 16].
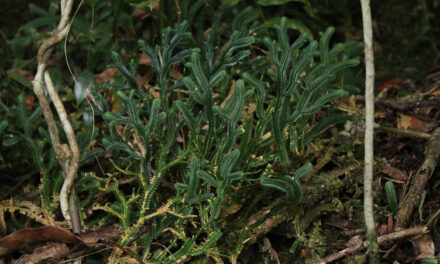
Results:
[29, 236]
[412, 123]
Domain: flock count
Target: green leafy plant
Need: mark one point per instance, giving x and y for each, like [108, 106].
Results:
[235, 121]
[391, 196]
[43, 162]
[223, 145]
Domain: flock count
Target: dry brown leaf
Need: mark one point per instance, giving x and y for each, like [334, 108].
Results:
[175, 73]
[390, 224]
[412, 123]
[28, 236]
[30, 102]
[394, 173]
[153, 92]
[424, 245]
[383, 230]
[106, 75]
[144, 59]
[44, 253]
[110, 233]
[343, 224]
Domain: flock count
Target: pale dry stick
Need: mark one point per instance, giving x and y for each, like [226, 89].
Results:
[67, 156]
[355, 244]
[73, 162]
[373, 247]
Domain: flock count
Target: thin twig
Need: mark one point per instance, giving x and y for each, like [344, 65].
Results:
[355, 244]
[73, 159]
[67, 156]
[369, 132]
[404, 131]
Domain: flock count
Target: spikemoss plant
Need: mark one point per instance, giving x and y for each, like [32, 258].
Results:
[208, 143]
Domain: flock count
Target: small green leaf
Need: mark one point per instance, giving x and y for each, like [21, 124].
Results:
[238, 175]
[191, 122]
[198, 72]
[10, 140]
[181, 186]
[391, 196]
[196, 92]
[208, 178]
[90, 156]
[285, 184]
[116, 145]
[218, 77]
[193, 180]
[127, 73]
[235, 106]
[228, 163]
[222, 113]
[325, 123]
[83, 82]
[293, 247]
[324, 43]
[208, 245]
[303, 170]
[292, 24]
[324, 99]
[429, 261]
[154, 117]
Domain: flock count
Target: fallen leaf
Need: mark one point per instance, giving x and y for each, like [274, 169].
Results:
[175, 73]
[44, 253]
[394, 173]
[30, 102]
[144, 59]
[154, 92]
[383, 230]
[343, 224]
[92, 237]
[390, 224]
[382, 85]
[27, 236]
[106, 75]
[409, 122]
[424, 245]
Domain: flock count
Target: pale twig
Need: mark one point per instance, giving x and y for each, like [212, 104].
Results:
[73, 159]
[67, 156]
[369, 132]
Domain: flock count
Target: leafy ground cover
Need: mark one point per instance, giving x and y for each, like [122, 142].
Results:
[217, 132]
